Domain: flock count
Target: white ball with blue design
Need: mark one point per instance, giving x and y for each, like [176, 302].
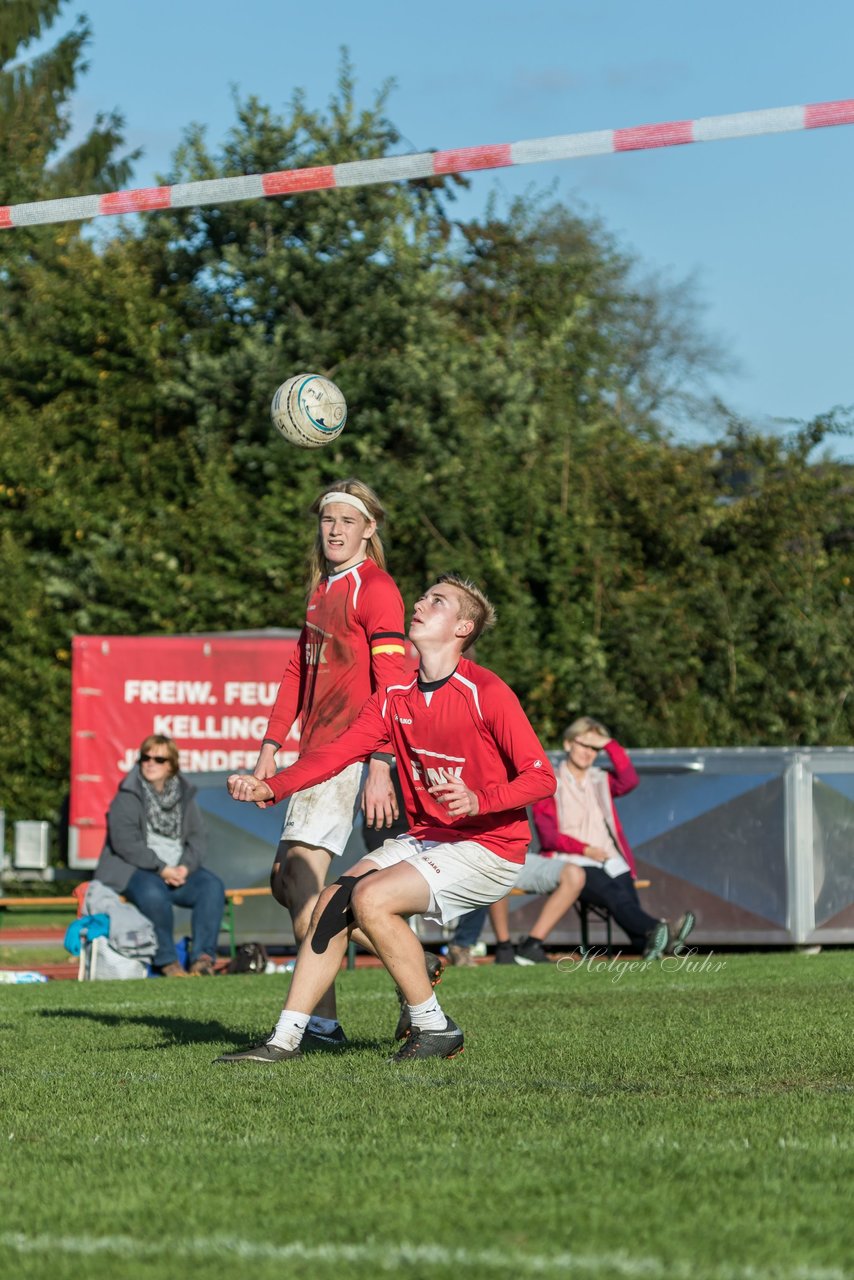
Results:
[309, 411]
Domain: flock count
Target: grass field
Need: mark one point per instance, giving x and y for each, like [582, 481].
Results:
[611, 1122]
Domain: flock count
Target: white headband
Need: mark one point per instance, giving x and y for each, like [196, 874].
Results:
[351, 501]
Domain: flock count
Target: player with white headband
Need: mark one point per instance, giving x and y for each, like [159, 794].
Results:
[469, 762]
[351, 646]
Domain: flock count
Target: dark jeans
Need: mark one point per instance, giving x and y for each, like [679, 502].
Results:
[202, 891]
[619, 895]
[469, 927]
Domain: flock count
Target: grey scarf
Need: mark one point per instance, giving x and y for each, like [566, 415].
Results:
[163, 808]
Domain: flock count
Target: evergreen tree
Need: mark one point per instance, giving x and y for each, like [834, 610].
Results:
[46, 370]
[35, 118]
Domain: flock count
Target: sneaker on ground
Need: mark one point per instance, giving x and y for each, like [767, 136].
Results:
[324, 1041]
[174, 970]
[203, 967]
[263, 1052]
[505, 953]
[657, 941]
[461, 956]
[422, 1043]
[680, 931]
[531, 951]
[434, 967]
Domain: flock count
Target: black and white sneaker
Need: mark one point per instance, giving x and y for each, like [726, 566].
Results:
[266, 1051]
[324, 1041]
[423, 1043]
[680, 931]
[505, 953]
[435, 967]
[657, 941]
[531, 951]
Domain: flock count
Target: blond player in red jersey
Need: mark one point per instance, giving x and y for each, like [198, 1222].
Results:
[352, 645]
[468, 763]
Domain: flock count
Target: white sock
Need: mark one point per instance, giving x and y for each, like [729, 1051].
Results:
[428, 1016]
[289, 1030]
[323, 1025]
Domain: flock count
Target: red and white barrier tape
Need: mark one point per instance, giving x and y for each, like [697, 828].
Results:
[570, 146]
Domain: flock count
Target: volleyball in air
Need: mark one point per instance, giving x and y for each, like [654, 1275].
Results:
[309, 410]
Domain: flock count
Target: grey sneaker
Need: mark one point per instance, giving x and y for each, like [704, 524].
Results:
[461, 956]
[435, 968]
[680, 931]
[422, 1043]
[324, 1041]
[505, 953]
[531, 951]
[657, 941]
[263, 1052]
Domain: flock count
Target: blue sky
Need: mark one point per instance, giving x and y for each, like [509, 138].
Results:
[764, 224]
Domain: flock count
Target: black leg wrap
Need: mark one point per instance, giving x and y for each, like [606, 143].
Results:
[336, 915]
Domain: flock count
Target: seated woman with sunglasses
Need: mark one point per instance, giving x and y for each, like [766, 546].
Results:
[153, 854]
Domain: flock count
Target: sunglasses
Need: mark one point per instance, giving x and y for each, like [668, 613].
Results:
[145, 759]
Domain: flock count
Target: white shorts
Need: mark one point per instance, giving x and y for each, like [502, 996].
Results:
[461, 874]
[323, 816]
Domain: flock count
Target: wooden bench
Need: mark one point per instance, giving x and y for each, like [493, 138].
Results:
[585, 910]
[53, 901]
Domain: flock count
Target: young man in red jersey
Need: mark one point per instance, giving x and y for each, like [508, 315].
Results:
[468, 763]
[352, 645]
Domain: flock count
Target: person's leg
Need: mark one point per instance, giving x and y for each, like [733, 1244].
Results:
[619, 896]
[297, 880]
[555, 878]
[204, 893]
[382, 905]
[320, 955]
[499, 915]
[315, 968]
[151, 895]
[469, 929]
[443, 881]
[557, 904]
[462, 944]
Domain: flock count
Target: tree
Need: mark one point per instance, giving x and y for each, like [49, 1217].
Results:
[39, 384]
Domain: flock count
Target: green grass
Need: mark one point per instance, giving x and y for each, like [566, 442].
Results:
[662, 1123]
[32, 955]
[36, 918]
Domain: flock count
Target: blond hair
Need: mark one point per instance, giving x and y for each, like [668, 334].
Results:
[374, 547]
[584, 724]
[474, 606]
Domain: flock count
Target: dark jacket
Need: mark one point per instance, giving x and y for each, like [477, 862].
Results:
[125, 850]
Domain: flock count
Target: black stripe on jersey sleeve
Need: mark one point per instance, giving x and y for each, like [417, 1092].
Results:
[387, 635]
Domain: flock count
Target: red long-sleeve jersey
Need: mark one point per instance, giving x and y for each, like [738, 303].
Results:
[352, 645]
[469, 725]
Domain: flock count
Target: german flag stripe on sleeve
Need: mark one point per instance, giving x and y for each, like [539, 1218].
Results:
[387, 642]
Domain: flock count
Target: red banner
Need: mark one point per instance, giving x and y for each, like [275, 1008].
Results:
[212, 694]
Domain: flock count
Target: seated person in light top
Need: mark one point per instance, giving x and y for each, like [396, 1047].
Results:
[468, 763]
[579, 825]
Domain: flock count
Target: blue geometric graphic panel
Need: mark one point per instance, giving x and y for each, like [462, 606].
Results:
[833, 845]
[664, 801]
[735, 851]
